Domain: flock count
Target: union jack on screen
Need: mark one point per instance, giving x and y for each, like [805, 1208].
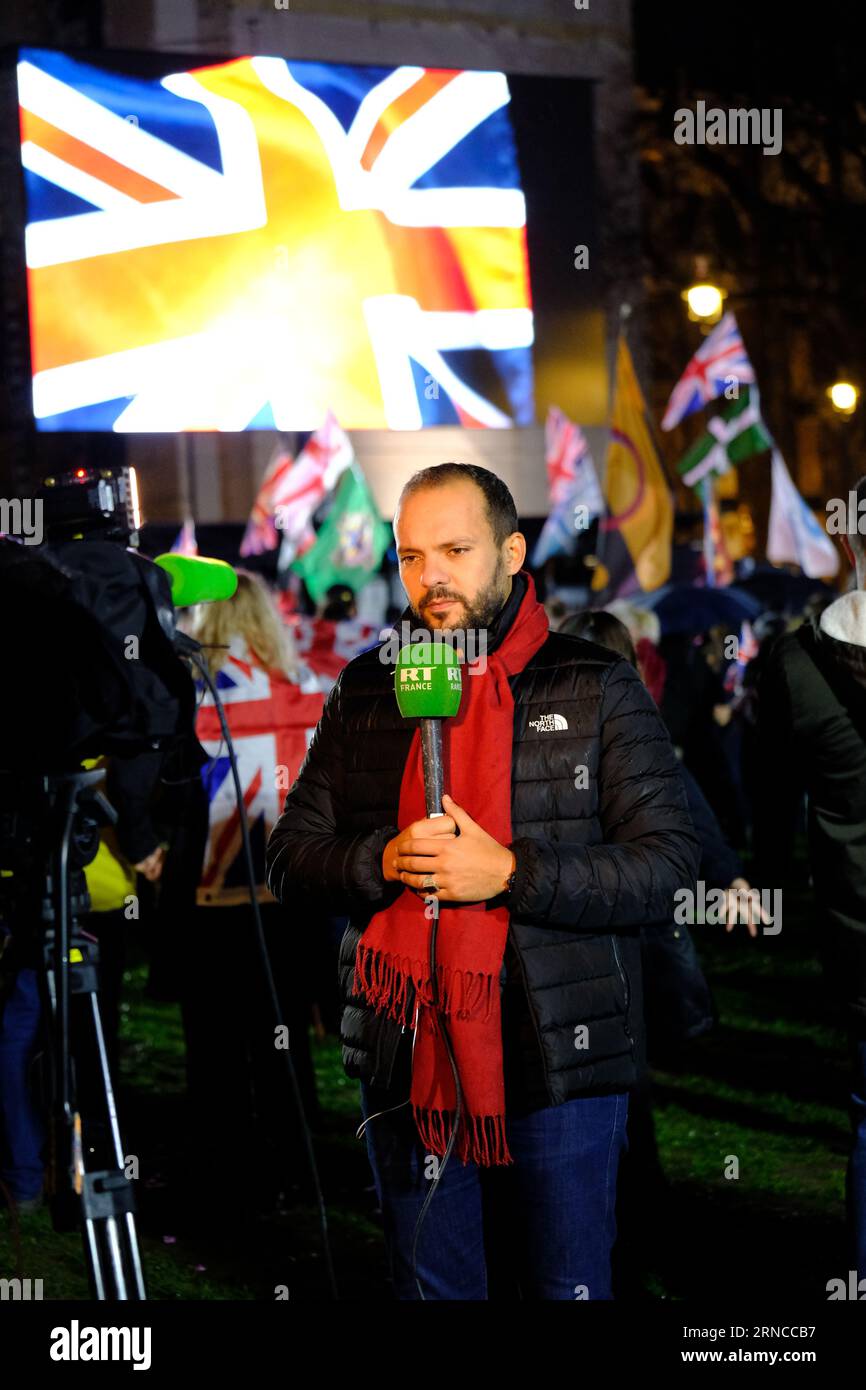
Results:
[248, 244]
[721, 356]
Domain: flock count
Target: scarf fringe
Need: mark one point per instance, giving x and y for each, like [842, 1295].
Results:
[480, 1139]
[383, 979]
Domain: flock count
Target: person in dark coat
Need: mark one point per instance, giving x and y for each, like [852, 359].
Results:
[721, 865]
[600, 841]
[812, 739]
[693, 692]
[672, 1020]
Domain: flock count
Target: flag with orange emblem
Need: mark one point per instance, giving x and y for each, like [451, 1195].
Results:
[636, 534]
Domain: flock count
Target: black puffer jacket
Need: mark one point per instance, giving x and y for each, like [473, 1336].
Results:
[595, 862]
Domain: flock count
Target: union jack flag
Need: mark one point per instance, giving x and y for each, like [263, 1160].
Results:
[321, 463]
[566, 455]
[272, 721]
[292, 489]
[719, 358]
[261, 533]
[249, 243]
[326, 646]
[572, 481]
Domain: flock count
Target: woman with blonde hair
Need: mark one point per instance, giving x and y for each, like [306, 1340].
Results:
[272, 703]
[250, 619]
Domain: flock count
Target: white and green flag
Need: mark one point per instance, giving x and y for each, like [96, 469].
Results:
[732, 436]
[351, 542]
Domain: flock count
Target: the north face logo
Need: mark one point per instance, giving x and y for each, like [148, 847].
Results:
[546, 722]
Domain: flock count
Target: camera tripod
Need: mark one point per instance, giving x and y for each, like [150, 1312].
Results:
[68, 810]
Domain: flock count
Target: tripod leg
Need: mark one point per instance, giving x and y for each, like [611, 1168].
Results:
[126, 1232]
[105, 1198]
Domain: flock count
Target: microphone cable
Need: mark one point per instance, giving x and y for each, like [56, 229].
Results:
[446, 1038]
[433, 794]
[434, 927]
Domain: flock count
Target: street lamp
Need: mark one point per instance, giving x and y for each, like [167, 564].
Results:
[705, 302]
[843, 397]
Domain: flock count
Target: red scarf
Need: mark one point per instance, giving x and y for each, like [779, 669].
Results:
[470, 943]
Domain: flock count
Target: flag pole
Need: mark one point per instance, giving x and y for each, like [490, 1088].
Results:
[705, 487]
[623, 315]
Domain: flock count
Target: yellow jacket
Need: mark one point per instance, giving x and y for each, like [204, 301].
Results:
[110, 877]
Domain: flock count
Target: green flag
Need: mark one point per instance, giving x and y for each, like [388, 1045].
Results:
[351, 542]
[732, 436]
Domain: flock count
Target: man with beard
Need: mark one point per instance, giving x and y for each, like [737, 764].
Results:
[565, 829]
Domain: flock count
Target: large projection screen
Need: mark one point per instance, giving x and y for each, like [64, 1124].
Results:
[247, 244]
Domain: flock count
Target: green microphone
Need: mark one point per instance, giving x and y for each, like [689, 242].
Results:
[428, 686]
[196, 579]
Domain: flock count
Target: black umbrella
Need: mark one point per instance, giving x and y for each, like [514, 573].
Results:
[687, 608]
[782, 591]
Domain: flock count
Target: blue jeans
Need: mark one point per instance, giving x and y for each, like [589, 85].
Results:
[856, 1173]
[559, 1195]
[22, 1132]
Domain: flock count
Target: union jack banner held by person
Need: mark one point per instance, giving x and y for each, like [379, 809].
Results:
[272, 721]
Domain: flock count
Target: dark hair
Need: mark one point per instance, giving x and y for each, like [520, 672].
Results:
[501, 511]
[339, 602]
[606, 630]
[856, 540]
